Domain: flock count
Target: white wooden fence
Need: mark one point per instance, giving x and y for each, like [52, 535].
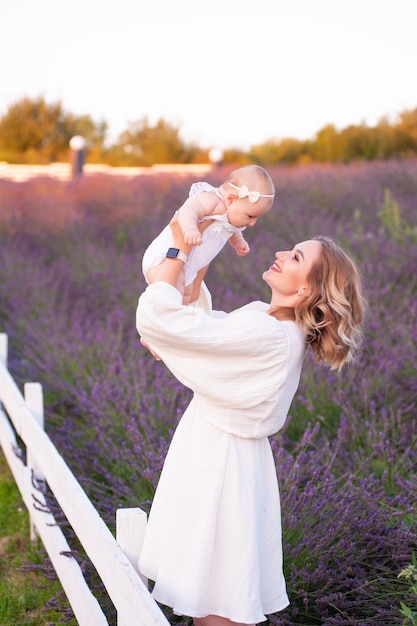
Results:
[62, 171]
[114, 559]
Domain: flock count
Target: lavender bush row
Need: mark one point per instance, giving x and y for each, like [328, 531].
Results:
[70, 257]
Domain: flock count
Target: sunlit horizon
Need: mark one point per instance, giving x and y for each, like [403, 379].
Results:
[227, 76]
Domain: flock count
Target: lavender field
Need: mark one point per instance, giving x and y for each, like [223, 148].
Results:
[346, 460]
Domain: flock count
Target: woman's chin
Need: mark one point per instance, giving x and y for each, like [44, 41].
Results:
[265, 275]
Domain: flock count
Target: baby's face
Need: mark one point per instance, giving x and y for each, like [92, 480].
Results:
[242, 213]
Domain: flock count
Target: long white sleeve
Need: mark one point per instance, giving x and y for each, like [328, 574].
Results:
[239, 364]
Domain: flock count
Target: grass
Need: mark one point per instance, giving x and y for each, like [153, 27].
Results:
[24, 595]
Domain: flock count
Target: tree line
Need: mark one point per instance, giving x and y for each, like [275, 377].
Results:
[35, 131]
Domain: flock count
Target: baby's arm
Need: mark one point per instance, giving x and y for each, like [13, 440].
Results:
[239, 243]
[193, 210]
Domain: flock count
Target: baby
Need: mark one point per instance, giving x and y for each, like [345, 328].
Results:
[210, 217]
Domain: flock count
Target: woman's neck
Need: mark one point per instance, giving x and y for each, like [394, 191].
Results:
[282, 313]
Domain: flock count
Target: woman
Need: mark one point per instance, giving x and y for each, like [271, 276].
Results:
[213, 542]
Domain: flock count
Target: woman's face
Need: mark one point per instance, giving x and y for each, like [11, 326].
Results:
[287, 276]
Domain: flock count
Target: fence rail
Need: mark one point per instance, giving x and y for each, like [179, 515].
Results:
[114, 558]
[62, 171]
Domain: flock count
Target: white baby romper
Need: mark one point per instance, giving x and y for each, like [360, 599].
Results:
[214, 238]
[213, 542]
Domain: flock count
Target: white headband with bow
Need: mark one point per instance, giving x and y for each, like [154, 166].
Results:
[253, 196]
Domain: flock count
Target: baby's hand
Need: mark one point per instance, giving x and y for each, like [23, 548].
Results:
[192, 236]
[242, 248]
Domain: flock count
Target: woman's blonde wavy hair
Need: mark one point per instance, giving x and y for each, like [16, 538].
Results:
[332, 315]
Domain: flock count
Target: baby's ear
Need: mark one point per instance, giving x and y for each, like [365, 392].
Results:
[230, 198]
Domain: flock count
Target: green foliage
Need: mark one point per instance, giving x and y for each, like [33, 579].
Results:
[355, 142]
[326, 147]
[393, 223]
[410, 575]
[289, 151]
[33, 131]
[144, 144]
[24, 595]
[407, 129]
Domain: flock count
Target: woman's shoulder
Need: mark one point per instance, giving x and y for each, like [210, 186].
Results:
[255, 305]
[260, 310]
[256, 315]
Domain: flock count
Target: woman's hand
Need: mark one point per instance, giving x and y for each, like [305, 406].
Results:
[147, 346]
[178, 235]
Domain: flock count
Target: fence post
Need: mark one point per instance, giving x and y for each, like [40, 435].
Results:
[77, 145]
[216, 157]
[130, 534]
[34, 401]
[3, 348]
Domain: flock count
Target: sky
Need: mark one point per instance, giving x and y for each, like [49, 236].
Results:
[227, 73]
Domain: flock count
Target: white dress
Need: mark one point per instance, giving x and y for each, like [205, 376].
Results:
[214, 238]
[213, 542]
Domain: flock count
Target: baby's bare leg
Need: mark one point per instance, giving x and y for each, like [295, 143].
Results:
[196, 285]
[188, 290]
